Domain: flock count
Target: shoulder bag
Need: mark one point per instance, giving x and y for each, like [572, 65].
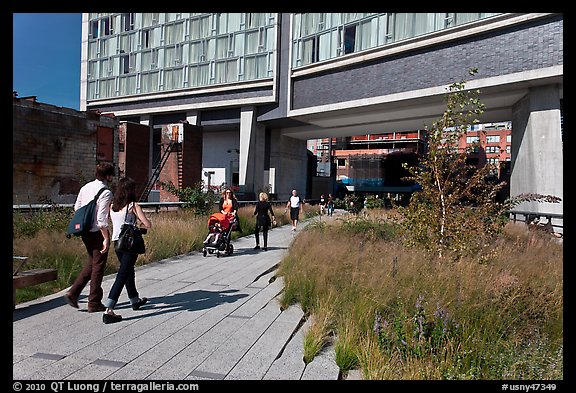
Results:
[130, 239]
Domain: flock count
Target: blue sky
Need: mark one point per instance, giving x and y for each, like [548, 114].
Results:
[46, 57]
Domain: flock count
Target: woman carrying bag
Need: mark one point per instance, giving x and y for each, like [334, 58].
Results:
[124, 209]
[263, 211]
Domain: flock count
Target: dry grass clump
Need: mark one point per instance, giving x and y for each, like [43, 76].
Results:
[406, 314]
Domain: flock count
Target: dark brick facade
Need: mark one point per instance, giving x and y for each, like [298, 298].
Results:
[55, 150]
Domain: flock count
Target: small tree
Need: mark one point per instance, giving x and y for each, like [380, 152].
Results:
[456, 206]
[195, 198]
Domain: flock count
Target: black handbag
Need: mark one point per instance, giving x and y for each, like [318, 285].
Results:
[130, 239]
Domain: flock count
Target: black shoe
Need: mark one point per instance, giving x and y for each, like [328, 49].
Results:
[139, 303]
[111, 318]
[265, 248]
[97, 308]
[257, 247]
[71, 300]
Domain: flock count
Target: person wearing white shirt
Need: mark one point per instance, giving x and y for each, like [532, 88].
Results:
[295, 205]
[96, 241]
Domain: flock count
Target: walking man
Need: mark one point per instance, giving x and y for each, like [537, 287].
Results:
[295, 205]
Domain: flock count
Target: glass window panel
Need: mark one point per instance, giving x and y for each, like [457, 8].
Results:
[91, 90]
[324, 51]
[250, 68]
[233, 22]
[220, 72]
[93, 49]
[251, 42]
[403, 26]
[222, 47]
[149, 82]
[232, 70]
[196, 51]
[127, 85]
[124, 43]
[210, 47]
[104, 67]
[465, 17]
[105, 47]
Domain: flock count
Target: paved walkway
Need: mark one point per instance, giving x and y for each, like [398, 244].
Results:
[207, 318]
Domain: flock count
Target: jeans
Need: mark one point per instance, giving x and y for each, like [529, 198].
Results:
[126, 277]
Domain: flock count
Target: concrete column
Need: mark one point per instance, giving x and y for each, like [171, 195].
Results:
[537, 153]
[251, 159]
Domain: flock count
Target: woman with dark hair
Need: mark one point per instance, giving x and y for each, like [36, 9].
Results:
[229, 205]
[124, 209]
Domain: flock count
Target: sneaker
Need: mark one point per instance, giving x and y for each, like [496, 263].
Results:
[139, 303]
[257, 247]
[111, 318]
[265, 248]
[293, 228]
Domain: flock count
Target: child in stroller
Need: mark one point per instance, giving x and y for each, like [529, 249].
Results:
[218, 240]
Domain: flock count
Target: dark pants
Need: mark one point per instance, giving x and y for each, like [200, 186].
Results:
[126, 277]
[92, 271]
[264, 234]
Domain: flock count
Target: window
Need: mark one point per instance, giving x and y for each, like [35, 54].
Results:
[349, 39]
[94, 29]
[341, 162]
[128, 22]
[492, 138]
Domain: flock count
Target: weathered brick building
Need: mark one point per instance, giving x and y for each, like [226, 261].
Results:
[55, 150]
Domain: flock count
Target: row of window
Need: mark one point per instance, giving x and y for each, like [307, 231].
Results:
[196, 25]
[323, 36]
[208, 73]
[132, 53]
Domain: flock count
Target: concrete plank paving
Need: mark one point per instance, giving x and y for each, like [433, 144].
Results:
[207, 318]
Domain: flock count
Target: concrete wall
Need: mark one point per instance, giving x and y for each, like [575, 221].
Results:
[288, 158]
[54, 151]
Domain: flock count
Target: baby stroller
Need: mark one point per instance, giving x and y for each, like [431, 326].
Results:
[220, 226]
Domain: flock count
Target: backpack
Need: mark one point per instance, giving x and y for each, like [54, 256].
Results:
[83, 218]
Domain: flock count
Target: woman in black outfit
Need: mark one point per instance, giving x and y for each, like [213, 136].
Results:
[263, 219]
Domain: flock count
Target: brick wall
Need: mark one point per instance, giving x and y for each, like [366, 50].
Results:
[54, 151]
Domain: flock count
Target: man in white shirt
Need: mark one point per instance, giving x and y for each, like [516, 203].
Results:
[295, 206]
[96, 241]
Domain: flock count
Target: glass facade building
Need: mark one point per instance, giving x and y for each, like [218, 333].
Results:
[139, 53]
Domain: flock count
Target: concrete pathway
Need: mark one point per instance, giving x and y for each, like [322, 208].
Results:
[207, 318]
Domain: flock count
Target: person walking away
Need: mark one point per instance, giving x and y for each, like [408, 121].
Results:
[263, 211]
[96, 241]
[295, 206]
[229, 205]
[124, 209]
[330, 205]
[322, 205]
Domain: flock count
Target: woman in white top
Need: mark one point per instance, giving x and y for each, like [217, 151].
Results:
[124, 209]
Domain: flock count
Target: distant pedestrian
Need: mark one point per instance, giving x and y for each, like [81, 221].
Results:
[124, 209]
[264, 219]
[322, 205]
[330, 205]
[295, 204]
[96, 241]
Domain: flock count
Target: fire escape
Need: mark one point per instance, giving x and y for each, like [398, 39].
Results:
[159, 165]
